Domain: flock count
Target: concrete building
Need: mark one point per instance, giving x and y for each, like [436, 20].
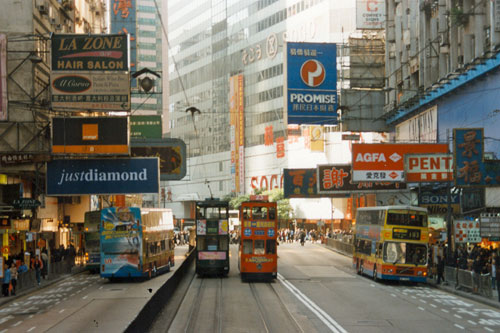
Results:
[25, 31]
[442, 64]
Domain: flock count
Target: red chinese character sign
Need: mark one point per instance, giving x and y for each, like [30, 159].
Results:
[335, 179]
[123, 21]
[280, 147]
[471, 168]
[466, 231]
[268, 136]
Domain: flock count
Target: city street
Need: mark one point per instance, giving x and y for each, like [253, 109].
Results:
[318, 291]
[82, 303]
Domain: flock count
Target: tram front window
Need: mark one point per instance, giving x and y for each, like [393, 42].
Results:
[208, 243]
[223, 243]
[259, 247]
[270, 246]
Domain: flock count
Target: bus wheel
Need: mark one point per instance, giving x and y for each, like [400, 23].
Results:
[155, 272]
[358, 267]
[375, 278]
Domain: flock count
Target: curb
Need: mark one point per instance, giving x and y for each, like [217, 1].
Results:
[450, 289]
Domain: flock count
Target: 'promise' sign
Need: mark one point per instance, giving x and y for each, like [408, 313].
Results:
[102, 176]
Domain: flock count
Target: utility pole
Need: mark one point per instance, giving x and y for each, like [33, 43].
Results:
[448, 201]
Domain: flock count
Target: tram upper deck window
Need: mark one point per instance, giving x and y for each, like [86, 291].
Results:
[246, 212]
[260, 213]
[212, 213]
[272, 213]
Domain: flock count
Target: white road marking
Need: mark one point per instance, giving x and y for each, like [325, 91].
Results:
[421, 308]
[445, 310]
[459, 317]
[85, 297]
[413, 297]
[17, 324]
[3, 331]
[61, 311]
[461, 327]
[488, 329]
[471, 322]
[31, 329]
[100, 287]
[433, 305]
[322, 315]
[31, 316]
[423, 301]
[393, 295]
[372, 285]
[73, 294]
[5, 319]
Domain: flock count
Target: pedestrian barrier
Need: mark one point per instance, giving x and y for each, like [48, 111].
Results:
[340, 246]
[450, 275]
[465, 279]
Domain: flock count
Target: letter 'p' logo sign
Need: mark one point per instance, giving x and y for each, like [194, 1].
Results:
[312, 73]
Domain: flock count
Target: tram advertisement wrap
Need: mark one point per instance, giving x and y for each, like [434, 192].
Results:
[121, 244]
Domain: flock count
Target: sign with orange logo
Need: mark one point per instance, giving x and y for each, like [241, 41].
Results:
[385, 161]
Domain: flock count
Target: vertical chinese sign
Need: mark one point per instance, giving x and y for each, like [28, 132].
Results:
[123, 21]
[241, 134]
[3, 77]
[470, 167]
[237, 133]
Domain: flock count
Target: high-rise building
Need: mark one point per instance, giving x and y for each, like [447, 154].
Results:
[226, 59]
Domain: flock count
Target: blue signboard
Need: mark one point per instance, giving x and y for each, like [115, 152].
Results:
[470, 167]
[300, 183]
[270, 232]
[123, 21]
[103, 176]
[311, 72]
[247, 232]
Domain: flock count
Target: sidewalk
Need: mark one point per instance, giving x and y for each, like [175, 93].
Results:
[43, 284]
[493, 302]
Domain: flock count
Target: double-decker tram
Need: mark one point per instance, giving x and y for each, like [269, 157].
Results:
[212, 237]
[258, 257]
[136, 242]
[390, 242]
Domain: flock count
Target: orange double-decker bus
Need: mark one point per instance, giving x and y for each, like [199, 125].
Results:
[258, 257]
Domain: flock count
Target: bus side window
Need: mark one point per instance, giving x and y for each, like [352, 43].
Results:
[247, 246]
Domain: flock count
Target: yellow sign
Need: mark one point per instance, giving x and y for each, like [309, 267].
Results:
[259, 260]
[3, 179]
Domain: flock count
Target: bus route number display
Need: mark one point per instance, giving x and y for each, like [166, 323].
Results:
[406, 234]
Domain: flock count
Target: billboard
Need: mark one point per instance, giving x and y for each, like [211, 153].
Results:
[300, 183]
[123, 22]
[147, 127]
[370, 14]
[3, 77]
[237, 133]
[102, 176]
[311, 83]
[436, 201]
[385, 161]
[91, 90]
[170, 152]
[471, 168]
[335, 179]
[428, 168]
[85, 52]
[90, 135]
[466, 231]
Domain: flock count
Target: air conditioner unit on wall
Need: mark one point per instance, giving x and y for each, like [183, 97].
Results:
[43, 9]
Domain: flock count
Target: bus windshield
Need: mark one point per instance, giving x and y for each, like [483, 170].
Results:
[408, 219]
[405, 253]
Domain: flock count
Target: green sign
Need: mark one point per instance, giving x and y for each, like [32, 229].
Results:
[147, 127]
[25, 203]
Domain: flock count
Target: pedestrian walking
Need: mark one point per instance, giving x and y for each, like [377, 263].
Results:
[440, 269]
[38, 265]
[497, 267]
[13, 278]
[6, 280]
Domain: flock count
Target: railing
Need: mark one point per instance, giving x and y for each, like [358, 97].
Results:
[340, 246]
[464, 279]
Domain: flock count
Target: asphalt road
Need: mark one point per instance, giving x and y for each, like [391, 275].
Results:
[318, 291]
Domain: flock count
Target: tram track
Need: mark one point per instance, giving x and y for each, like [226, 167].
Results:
[196, 305]
[268, 323]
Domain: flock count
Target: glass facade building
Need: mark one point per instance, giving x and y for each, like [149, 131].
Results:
[213, 41]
